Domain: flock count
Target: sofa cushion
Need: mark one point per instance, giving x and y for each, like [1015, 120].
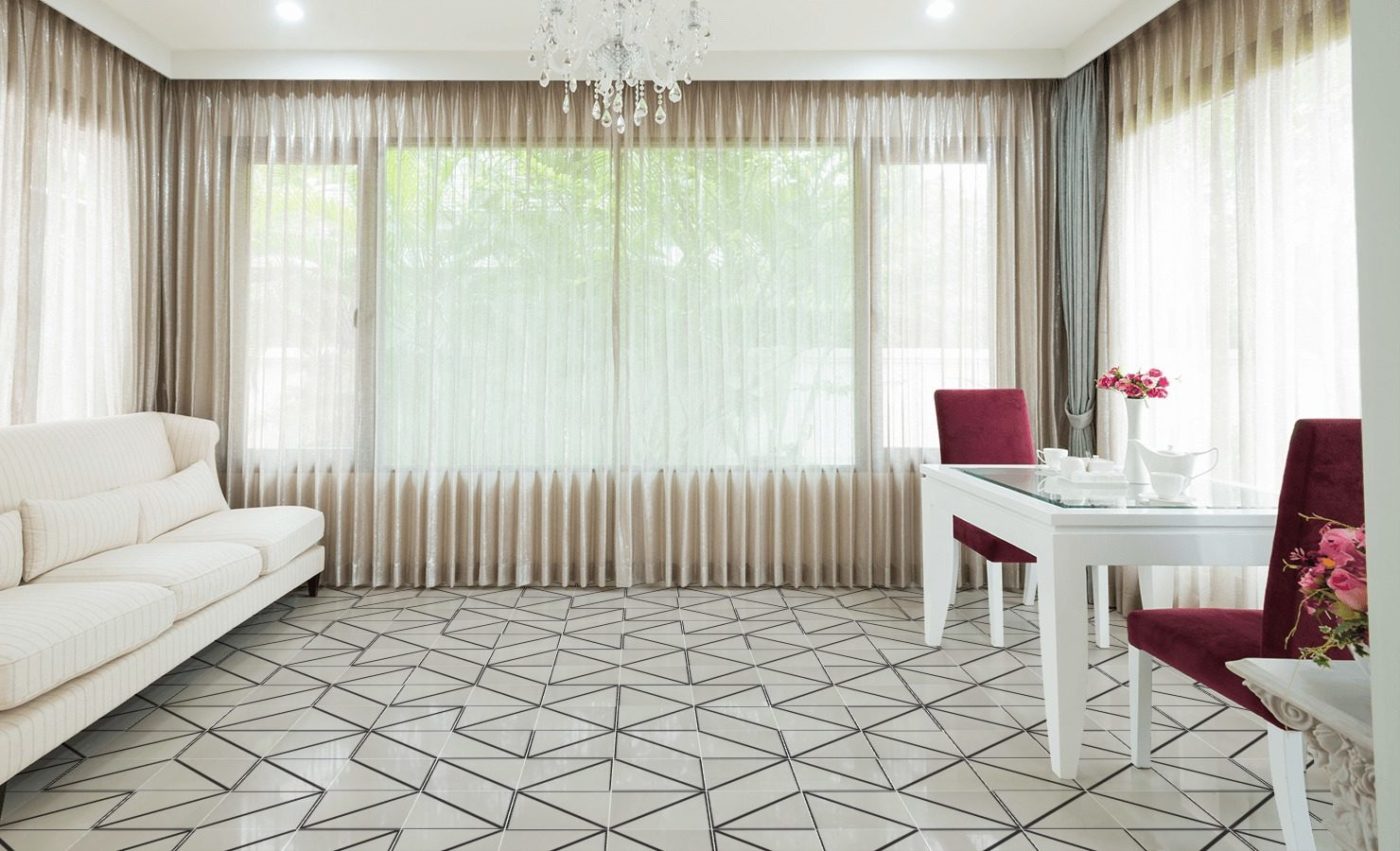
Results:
[71, 459]
[279, 533]
[197, 574]
[190, 494]
[59, 531]
[11, 550]
[50, 634]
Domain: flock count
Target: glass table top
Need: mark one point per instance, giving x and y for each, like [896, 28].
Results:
[1050, 487]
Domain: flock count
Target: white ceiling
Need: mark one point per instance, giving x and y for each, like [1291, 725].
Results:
[487, 39]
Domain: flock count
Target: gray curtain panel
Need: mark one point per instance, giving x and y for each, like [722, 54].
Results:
[1081, 159]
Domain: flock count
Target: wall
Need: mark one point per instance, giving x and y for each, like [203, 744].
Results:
[1376, 63]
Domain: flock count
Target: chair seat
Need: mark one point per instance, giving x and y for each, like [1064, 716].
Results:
[1198, 643]
[988, 546]
[279, 533]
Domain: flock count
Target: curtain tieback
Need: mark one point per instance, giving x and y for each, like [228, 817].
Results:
[1080, 422]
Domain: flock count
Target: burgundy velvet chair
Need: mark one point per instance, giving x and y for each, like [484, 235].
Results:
[1323, 478]
[994, 427]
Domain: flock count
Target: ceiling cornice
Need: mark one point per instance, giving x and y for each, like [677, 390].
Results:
[511, 65]
[117, 29]
[1121, 23]
[720, 65]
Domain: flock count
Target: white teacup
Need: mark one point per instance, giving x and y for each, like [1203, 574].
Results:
[1169, 485]
[1052, 458]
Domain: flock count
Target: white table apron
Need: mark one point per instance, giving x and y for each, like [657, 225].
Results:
[1065, 541]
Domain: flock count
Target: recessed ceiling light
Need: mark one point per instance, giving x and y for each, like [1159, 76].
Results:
[290, 11]
[940, 9]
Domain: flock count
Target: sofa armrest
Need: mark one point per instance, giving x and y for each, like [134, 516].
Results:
[191, 439]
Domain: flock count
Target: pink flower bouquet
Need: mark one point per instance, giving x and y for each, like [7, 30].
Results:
[1332, 577]
[1151, 384]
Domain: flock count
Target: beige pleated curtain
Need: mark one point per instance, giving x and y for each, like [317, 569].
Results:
[79, 221]
[498, 344]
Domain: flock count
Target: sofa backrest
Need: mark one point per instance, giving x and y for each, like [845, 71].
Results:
[64, 460]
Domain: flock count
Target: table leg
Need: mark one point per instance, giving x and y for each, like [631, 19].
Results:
[941, 557]
[1102, 634]
[1064, 655]
[1157, 583]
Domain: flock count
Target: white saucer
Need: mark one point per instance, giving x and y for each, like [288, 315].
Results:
[1161, 500]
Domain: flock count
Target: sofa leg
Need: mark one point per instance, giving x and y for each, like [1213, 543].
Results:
[313, 586]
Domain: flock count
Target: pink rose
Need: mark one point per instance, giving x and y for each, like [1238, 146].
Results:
[1312, 579]
[1350, 589]
[1154, 372]
[1163, 382]
[1340, 545]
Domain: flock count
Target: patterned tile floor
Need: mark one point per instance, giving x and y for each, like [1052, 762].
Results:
[653, 718]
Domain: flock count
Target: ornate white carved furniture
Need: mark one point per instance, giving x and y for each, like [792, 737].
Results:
[1331, 707]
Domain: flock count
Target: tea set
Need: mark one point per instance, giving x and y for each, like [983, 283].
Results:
[1169, 471]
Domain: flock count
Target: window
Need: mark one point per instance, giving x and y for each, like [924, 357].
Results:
[300, 352]
[739, 305]
[432, 306]
[495, 307]
[84, 337]
[936, 286]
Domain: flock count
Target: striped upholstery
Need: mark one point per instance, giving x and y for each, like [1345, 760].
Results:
[191, 439]
[28, 732]
[105, 620]
[197, 574]
[188, 495]
[59, 531]
[72, 459]
[51, 634]
[11, 550]
[279, 533]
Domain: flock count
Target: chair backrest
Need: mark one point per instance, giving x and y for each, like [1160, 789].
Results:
[1322, 477]
[984, 427]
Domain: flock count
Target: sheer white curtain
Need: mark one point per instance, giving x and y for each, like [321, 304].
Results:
[79, 134]
[1231, 247]
[500, 345]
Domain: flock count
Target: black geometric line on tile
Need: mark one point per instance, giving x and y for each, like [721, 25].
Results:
[668, 805]
[11, 821]
[104, 823]
[1143, 806]
[1062, 842]
[847, 803]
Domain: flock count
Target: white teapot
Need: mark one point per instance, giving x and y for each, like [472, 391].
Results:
[1182, 464]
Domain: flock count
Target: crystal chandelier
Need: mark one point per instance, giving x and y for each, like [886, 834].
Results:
[619, 48]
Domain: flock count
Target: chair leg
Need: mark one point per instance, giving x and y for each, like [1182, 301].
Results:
[313, 585]
[1031, 583]
[996, 603]
[1101, 605]
[1288, 768]
[1140, 707]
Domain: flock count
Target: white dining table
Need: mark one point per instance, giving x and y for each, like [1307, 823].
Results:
[1068, 527]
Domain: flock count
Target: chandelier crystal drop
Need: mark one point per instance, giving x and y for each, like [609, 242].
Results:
[627, 51]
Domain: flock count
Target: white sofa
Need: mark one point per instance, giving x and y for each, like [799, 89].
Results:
[94, 609]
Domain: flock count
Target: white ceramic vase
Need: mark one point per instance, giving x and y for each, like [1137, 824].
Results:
[1133, 466]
